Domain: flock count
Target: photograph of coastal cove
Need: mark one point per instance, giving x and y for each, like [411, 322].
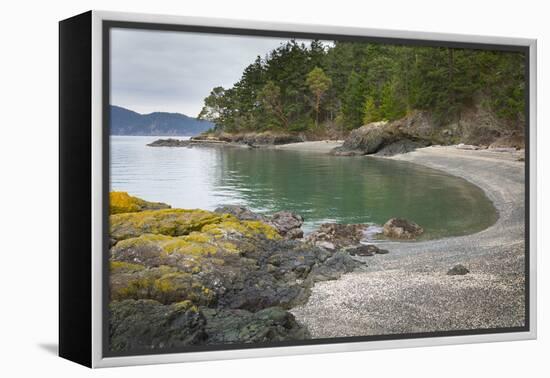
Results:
[284, 190]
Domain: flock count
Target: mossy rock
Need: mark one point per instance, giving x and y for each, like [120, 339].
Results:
[169, 222]
[122, 202]
[163, 284]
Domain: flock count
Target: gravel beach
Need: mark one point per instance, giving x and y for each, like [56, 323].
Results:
[409, 291]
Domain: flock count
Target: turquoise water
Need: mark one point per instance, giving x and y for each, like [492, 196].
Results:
[321, 188]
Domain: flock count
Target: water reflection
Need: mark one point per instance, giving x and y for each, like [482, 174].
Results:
[321, 188]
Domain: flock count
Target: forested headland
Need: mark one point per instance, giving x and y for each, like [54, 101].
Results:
[335, 87]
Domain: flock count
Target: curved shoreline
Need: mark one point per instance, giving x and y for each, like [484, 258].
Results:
[408, 291]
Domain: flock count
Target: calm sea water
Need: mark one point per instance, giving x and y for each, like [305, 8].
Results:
[321, 188]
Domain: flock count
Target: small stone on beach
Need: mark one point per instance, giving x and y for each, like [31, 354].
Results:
[458, 270]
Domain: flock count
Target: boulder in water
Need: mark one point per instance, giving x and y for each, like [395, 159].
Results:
[400, 228]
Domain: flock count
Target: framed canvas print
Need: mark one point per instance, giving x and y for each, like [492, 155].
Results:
[234, 189]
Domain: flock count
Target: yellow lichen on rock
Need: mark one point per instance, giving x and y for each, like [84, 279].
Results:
[124, 267]
[122, 202]
[171, 222]
[248, 229]
[164, 284]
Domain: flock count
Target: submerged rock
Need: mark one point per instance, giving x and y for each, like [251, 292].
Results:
[458, 270]
[400, 228]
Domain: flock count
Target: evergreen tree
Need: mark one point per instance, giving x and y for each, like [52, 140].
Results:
[318, 84]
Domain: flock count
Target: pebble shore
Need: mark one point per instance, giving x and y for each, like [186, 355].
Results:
[408, 290]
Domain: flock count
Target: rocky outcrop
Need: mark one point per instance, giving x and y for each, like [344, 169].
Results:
[365, 140]
[241, 326]
[236, 277]
[170, 142]
[240, 212]
[475, 126]
[250, 139]
[140, 325]
[390, 138]
[122, 202]
[171, 222]
[336, 236]
[399, 228]
[286, 223]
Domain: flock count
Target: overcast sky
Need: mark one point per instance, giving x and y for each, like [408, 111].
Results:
[175, 71]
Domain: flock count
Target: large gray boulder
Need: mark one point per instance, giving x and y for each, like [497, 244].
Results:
[365, 140]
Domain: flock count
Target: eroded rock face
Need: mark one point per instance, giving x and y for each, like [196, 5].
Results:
[240, 275]
[399, 228]
[337, 236]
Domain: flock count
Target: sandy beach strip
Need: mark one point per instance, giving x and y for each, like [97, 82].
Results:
[408, 290]
[321, 146]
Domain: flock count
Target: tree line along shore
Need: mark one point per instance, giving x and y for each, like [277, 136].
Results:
[325, 90]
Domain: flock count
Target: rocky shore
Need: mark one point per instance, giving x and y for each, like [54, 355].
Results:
[469, 282]
[183, 277]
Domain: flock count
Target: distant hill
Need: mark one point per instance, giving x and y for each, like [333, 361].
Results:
[128, 122]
